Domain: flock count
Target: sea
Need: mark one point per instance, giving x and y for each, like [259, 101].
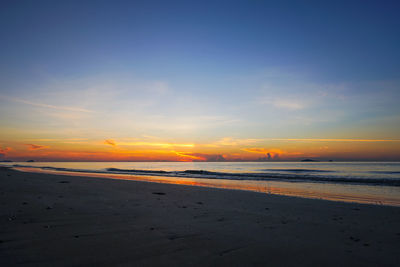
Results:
[360, 182]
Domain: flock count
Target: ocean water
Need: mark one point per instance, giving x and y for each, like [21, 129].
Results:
[362, 182]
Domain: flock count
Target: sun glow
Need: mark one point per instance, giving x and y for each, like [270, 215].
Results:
[223, 149]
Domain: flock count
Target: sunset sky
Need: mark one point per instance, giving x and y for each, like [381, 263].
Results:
[199, 80]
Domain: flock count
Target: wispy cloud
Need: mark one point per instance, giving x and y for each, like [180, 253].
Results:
[110, 142]
[56, 139]
[290, 104]
[157, 144]
[42, 105]
[264, 150]
[229, 141]
[332, 140]
[201, 156]
[35, 147]
[145, 143]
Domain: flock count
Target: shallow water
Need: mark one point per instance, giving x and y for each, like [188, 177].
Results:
[366, 182]
[374, 173]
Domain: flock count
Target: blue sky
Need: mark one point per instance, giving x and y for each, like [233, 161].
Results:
[199, 71]
[338, 41]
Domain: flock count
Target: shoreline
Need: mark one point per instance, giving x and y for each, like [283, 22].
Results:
[51, 219]
[365, 194]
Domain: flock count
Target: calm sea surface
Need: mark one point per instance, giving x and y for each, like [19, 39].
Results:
[365, 182]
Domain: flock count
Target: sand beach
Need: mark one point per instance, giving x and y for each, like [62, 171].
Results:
[55, 220]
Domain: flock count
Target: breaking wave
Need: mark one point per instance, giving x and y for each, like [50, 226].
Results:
[287, 175]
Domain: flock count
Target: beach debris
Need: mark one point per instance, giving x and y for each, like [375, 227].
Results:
[158, 193]
[64, 182]
[24, 203]
[48, 208]
[200, 203]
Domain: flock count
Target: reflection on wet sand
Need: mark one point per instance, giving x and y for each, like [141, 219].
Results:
[334, 192]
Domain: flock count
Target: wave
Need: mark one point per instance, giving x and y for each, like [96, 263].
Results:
[385, 172]
[56, 168]
[204, 174]
[294, 170]
[135, 171]
[263, 176]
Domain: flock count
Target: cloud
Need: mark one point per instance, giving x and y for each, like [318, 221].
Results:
[110, 142]
[332, 140]
[268, 157]
[4, 151]
[147, 141]
[35, 147]
[272, 151]
[157, 144]
[36, 104]
[290, 104]
[57, 139]
[229, 141]
[202, 156]
[177, 121]
[60, 140]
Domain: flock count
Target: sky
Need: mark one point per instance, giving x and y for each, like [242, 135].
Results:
[199, 80]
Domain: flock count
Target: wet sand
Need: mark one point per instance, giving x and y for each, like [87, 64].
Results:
[55, 220]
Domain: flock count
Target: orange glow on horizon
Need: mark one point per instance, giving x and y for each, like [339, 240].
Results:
[226, 149]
